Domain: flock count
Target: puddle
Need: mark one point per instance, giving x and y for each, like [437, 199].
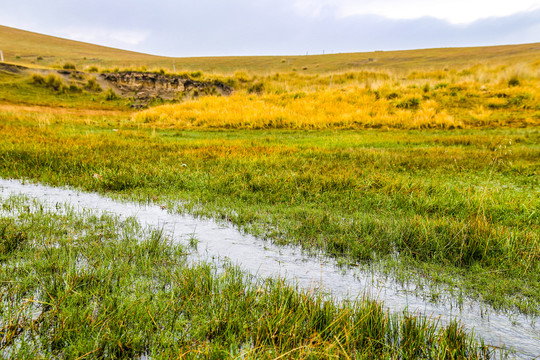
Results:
[218, 242]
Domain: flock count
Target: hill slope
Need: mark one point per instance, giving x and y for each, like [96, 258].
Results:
[26, 47]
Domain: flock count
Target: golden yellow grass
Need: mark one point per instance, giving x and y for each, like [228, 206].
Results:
[475, 97]
[342, 109]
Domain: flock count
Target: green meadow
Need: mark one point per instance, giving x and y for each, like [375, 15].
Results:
[439, 185]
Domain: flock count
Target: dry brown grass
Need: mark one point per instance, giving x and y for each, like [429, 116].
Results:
[29, 46]
[60, 110]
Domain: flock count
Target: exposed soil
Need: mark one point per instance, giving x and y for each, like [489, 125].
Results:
[143, 86]
[10, 68]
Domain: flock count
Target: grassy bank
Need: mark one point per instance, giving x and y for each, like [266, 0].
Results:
[81, 285]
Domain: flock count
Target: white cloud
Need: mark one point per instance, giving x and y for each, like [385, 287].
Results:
[455, 11]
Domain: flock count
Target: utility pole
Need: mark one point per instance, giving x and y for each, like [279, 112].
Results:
[1, 56]
[173, 66]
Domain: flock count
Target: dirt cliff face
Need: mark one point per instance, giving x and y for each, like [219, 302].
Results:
[144, 86]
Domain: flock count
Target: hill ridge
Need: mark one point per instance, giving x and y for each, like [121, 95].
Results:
[32, 48]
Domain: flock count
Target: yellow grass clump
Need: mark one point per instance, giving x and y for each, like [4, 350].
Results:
[329, 109]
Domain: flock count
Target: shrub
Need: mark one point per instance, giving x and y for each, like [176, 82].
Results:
[111, 95]
[410, 103]
[37, 79]
[52, 81]
[241, 76]
[440, 86]
[210, 90]
[69, 66]
[256, 88]
[92, 85]
[77, 76]
[514, 81]
[55, 82]
[93, 69]
[74, 88]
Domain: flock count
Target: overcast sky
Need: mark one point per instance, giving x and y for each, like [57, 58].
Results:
[259, 27]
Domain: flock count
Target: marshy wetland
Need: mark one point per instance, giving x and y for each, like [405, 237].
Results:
[219, 246]
[380, 212]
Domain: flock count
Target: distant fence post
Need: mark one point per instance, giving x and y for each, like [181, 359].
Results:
[1, 56]
[173, 66]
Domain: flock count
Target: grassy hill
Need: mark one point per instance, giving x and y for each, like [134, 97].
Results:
[30, 48]
[27, 47]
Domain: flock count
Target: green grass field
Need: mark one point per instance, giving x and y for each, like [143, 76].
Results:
[432, 173]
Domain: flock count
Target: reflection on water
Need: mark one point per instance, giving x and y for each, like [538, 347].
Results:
[218, 242]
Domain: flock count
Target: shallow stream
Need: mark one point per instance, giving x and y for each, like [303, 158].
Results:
[218, 242]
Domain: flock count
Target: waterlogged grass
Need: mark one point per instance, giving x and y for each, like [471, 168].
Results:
[91, 286]
[452, 208]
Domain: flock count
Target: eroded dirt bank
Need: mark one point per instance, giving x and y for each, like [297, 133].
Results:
[147, 85]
